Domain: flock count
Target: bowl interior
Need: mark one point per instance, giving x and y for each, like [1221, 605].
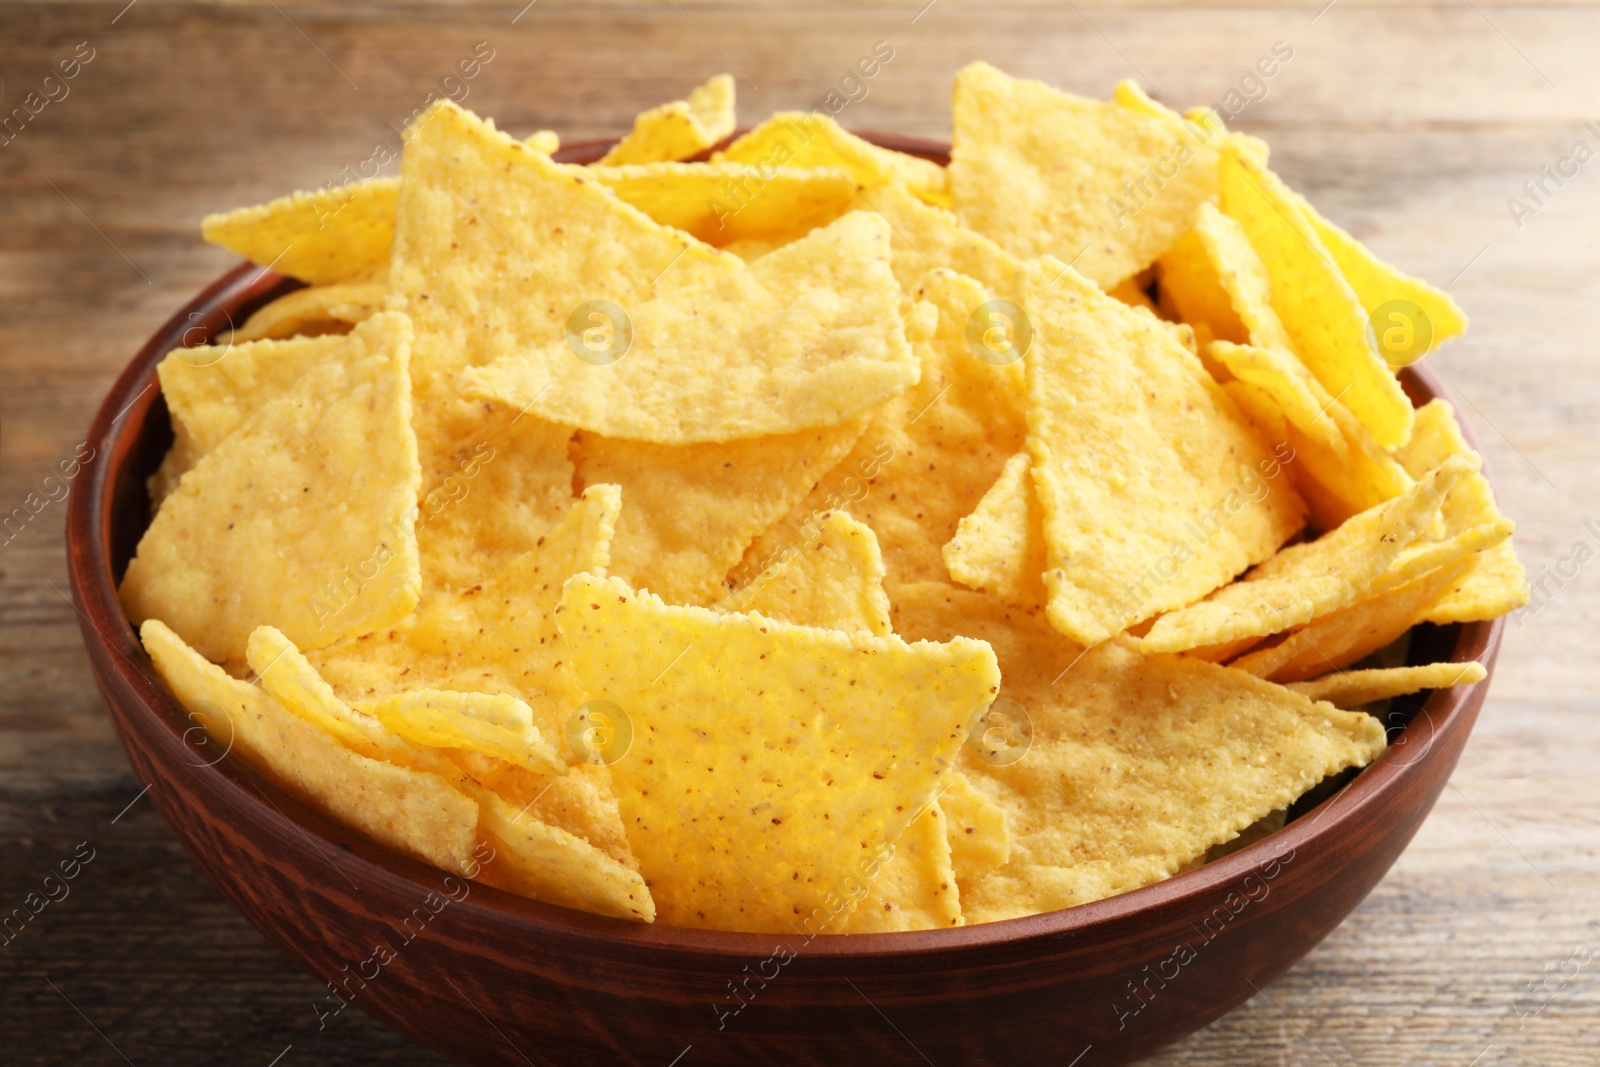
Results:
[133, 431]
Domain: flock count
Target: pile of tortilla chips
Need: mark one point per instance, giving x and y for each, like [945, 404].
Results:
[776, 532]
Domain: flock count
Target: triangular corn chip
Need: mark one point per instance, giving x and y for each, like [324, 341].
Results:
[580, 801]
[680, 128]
[1102, 186]
[1134, 765]
[535, 859]
[925, 452]
[332, 235]
[834, 580]
[807, 336]
[416, 812]
[1497, 582]
[321, 309]
[976, 828]
[1213, 276]
[1000, 546]
[1338, 467]
[1153, 488]
[693, 510]
[1376, 283]
[1353, 689]
[496, 637]
[916, 889]
[302, 518]
[1307, 580]
[734, 796]
[923, 237]
[211, 392]
[809, 139]
[496, 725]
[1320, 312]
[724, 202]
[1341, 638]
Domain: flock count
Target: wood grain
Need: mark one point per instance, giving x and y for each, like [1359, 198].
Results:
[1411, 125]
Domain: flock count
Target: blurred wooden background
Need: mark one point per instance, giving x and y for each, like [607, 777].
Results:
[1411, 124]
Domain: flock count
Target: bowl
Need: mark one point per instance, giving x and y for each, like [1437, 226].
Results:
[491, 978]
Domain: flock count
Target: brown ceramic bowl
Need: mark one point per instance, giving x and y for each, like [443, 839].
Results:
[497, 979]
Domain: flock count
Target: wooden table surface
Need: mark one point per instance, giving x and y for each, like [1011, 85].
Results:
[1411, 124]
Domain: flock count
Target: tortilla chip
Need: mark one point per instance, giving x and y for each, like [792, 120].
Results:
[923, 237]
[807, 336]
[1215, 277]
[211, 392]
[302, 518]
[1352, 689]
[1320, 312]
[916, 889]
[1497, 583]
[544, 862]
[495, 725]
[721, 203]
[834, 581]
[1338, 467]
[581, 801]
[1377, 283]
[321, 309]
[678, 129]
[976, 826]
[790, 835]
[925, 456]
[324, 237]
[1043, 172]
[1308, 580]
[693, 510]
[415, 812]
[810, 139]
[496, 637]
[1141, 463]
[1339, 639]
[1137, 764]
[1000, 546]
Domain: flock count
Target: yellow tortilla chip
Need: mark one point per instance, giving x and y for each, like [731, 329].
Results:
[925, 456]
[834, 581]
[1215, 277]
[916, 889]
[1104, 187]
[496, 637]
[581, 801]
[1377, 283]
[1340, 638]
[1000, 546]
[302, 518]
[693, 510]
[546, 141]
[1320, 312]
[321, 309]
[210, 393]
[976, 828]
[535, 859]
[810, 139]
[923, 237]
[1352, 689]
[737, 804]
[1307, 580]
[1497, 583]
[495, 725]
[807, 336]
[328, 236]
[416, 812]
[721, 203]
[1135, 765]
[1153, 489]
[678, 129]
[1338, 467]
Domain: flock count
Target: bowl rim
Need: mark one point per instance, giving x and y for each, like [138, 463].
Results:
[88, 535]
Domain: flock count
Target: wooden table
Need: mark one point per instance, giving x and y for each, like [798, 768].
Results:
[1410, 124]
